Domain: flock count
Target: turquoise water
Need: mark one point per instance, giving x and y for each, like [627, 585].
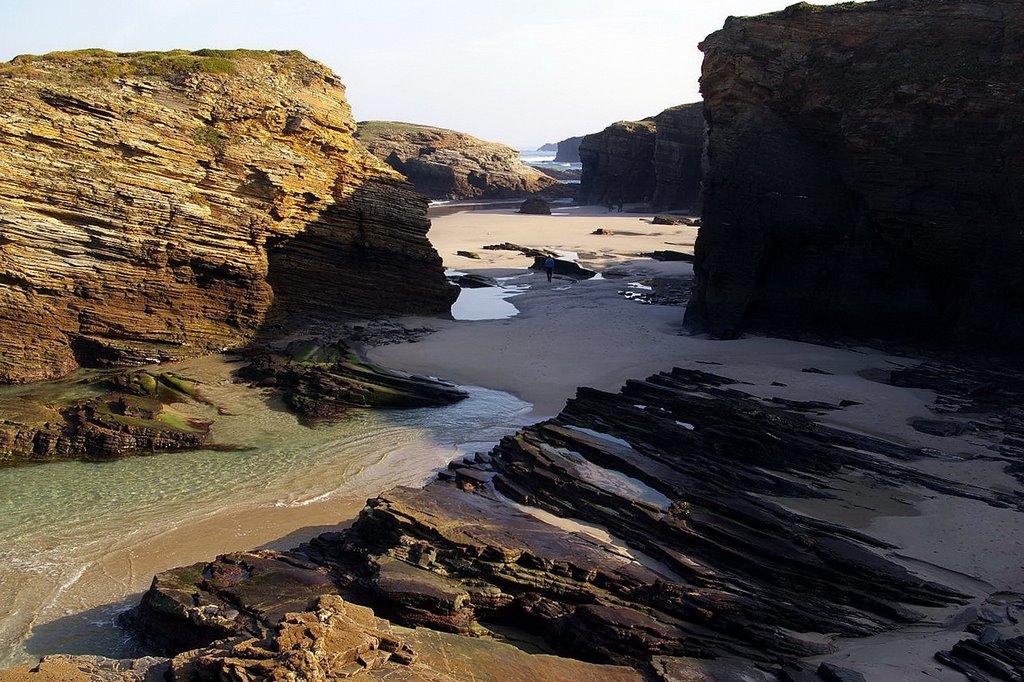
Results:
[77, 539]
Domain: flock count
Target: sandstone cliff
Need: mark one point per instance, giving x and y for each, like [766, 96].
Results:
[656, 160]
[157, 205]
[446, 164]
[865, 170]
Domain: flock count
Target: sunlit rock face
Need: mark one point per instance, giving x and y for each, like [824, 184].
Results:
[159, 205]
[865, 162]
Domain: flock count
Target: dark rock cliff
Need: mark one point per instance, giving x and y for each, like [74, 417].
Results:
[656, 161]
[160, 205]
[678, 146]
[568, 150]
[617, 163]
[865, 165]
[447, 164]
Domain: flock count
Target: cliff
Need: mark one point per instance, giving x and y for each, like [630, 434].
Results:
[655, 161]
[865, 166]
[158, 205]
[568, 150]
[446, 164]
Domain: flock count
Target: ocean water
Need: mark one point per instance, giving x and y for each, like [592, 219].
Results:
[545, 160]
[78, 539]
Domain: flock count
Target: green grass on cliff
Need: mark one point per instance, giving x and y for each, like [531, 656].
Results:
[97, 65]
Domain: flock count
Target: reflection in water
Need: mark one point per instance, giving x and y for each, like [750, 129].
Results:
[61, 523]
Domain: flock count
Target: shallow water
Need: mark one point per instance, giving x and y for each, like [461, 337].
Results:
[77, 537]
[487, 303]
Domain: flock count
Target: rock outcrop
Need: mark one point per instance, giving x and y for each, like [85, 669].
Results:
[321, 380]
[135, 417]
[864, 174]
[655, 161]
[446, 164]
[636, 528]
[329, 639]
[568, 150]
[161, 205]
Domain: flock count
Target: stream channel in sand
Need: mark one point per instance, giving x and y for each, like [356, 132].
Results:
[79, 540]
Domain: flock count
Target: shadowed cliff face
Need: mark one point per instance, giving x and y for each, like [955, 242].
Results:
[656, 160]
[156, 205]
[864, 171]
[446, 164]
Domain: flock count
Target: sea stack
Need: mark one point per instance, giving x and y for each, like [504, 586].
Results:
[158, 205]
[865, 165]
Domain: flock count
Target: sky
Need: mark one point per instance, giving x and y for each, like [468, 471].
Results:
[522, 72]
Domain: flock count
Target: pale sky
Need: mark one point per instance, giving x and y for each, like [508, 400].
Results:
[523, 72]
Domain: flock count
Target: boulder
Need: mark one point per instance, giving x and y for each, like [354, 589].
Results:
[535, 206]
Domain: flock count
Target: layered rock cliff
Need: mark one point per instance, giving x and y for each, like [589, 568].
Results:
[158, 205]
[865, 162]
[655, 161]
[446, 164]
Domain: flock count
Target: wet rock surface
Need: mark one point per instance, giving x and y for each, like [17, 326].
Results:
[133, 414]
[319, 380]
[839, 198]
[156, 206]
[636, 528]
[446, 164]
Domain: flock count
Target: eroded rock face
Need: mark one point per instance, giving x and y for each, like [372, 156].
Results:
[636, 528]
[446, 164]
[160, 205]
[656, 161]
[865, 165]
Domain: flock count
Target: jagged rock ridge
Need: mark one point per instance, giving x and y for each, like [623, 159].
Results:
[655, 161]
[159, 205]
[446, 164]
[864, 170]
[692, 558]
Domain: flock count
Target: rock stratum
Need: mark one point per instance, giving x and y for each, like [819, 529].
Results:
[161, 205]
[656, 161]
[446, 164]
[864, 172]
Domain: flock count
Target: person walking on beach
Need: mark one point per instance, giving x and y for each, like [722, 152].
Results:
[549, 266]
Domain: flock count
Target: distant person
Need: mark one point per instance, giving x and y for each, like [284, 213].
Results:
[620, 204]
[549, 266]
[611, 205]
